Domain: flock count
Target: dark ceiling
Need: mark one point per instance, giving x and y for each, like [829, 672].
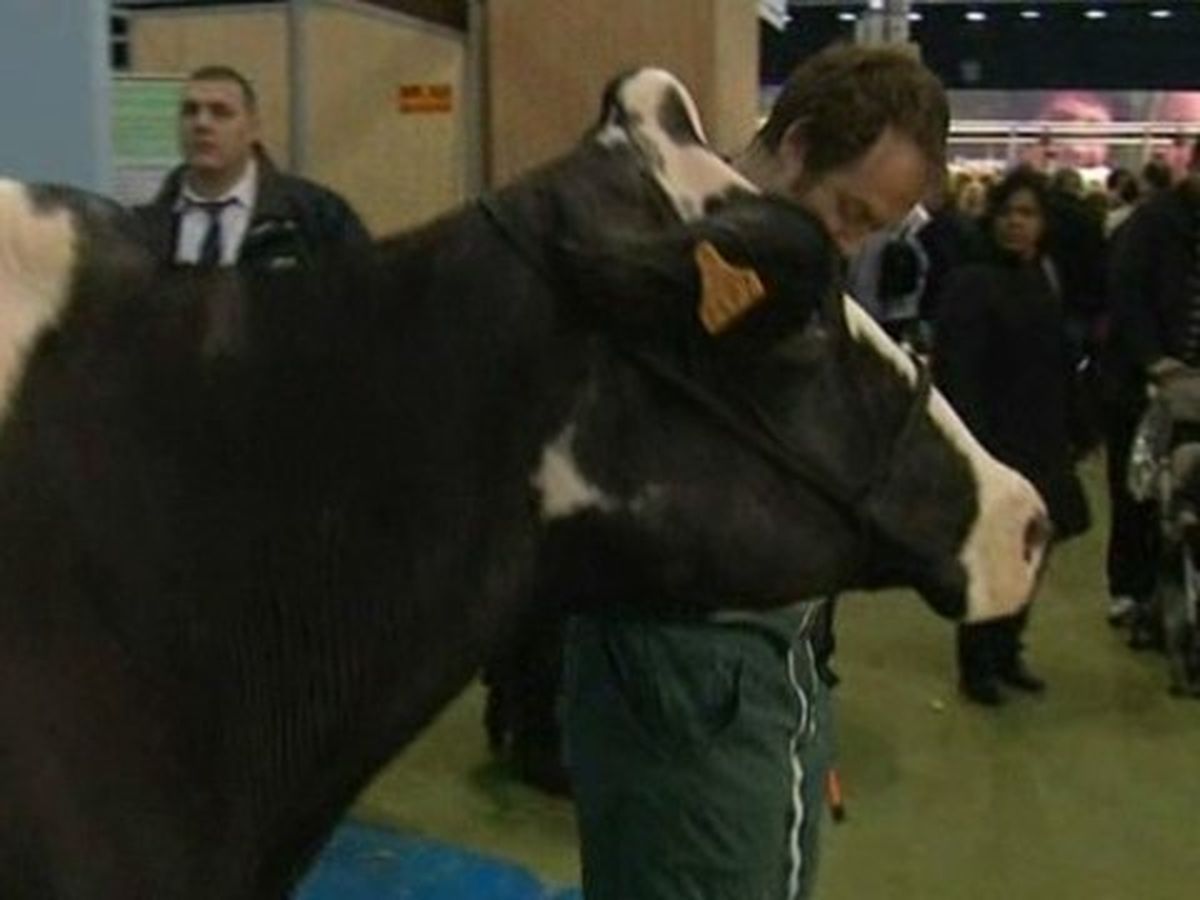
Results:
[1126, 49]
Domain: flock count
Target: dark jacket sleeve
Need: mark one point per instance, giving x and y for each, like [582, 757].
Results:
[337, 221]
[1137, 321]
[961, 353]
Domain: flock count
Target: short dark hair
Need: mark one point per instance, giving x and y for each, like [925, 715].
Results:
[1124, 184]
[847, 95]
[227, 73]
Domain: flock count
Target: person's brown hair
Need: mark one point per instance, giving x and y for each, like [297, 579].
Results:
[847, 95]
[228, 73]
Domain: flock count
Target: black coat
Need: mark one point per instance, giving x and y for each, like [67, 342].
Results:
[1153, 257]
[292, 217]
[1076, 244]
[1002, 358]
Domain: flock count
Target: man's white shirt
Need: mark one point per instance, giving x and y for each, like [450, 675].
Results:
[235, 218]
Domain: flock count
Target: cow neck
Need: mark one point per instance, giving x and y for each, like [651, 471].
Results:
[523, 244]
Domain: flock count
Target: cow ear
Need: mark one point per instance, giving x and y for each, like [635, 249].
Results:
[727, 292]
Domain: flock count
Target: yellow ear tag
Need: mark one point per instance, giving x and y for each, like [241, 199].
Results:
[727, 292]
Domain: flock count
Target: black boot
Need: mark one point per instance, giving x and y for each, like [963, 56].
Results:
[976, 664]
[1010, 663]
[1017, 675]
[982, 691]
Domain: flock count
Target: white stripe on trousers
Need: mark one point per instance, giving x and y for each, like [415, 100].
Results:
[805, 728]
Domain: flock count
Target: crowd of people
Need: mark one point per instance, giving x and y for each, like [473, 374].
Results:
[1047, 306]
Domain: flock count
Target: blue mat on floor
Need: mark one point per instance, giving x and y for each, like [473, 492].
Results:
[367, 863]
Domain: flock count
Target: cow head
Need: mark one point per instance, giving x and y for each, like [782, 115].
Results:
[754, 437]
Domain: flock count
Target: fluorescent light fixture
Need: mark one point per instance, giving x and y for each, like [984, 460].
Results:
[847, 17]
[975, 15]
[915, 17]
[1161, 14]
[1031, 14]
[1095, 14]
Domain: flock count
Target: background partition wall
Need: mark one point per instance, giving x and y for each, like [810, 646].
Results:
[384, 94]
[546, 68]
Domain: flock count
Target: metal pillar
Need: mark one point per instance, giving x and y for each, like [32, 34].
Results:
[883, 22]
[297, 78]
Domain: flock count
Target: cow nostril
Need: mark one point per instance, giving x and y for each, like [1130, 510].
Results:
[1038, 532]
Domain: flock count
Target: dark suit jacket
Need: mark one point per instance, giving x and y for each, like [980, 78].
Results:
[292, 218]
[1153, 258]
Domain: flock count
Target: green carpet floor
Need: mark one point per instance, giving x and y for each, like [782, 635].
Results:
[1089, 793]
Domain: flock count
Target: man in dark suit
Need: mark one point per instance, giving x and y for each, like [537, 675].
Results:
[226, 204]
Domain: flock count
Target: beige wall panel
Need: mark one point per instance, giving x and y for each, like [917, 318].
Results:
[396, 168]
[733, 114]
[253, 41]
[548, 61]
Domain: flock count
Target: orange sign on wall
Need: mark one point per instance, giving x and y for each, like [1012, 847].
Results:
[425, 98]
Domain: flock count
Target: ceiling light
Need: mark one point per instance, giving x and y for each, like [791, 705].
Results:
[847, 17]
[975, 15]
[915, 17]
[1095, 14]
[1160, 14]
[1031, 14]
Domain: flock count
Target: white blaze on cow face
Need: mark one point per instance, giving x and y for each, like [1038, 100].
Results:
[1001, 562]
[37, 255]
[690, 173]
[563, 489]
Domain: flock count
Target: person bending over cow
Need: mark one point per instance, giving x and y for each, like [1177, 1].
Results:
[227, 204]
[697, 746]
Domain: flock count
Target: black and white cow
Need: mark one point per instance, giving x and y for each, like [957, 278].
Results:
[255, 533]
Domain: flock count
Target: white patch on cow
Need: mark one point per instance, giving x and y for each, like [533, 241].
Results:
[691, 174]
[563, 489]
[37, 255]
[866, 330]
[1000, 576]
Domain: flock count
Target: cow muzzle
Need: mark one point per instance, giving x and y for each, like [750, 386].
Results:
[1007, 548]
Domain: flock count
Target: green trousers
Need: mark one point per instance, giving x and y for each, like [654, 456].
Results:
[697, 754]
